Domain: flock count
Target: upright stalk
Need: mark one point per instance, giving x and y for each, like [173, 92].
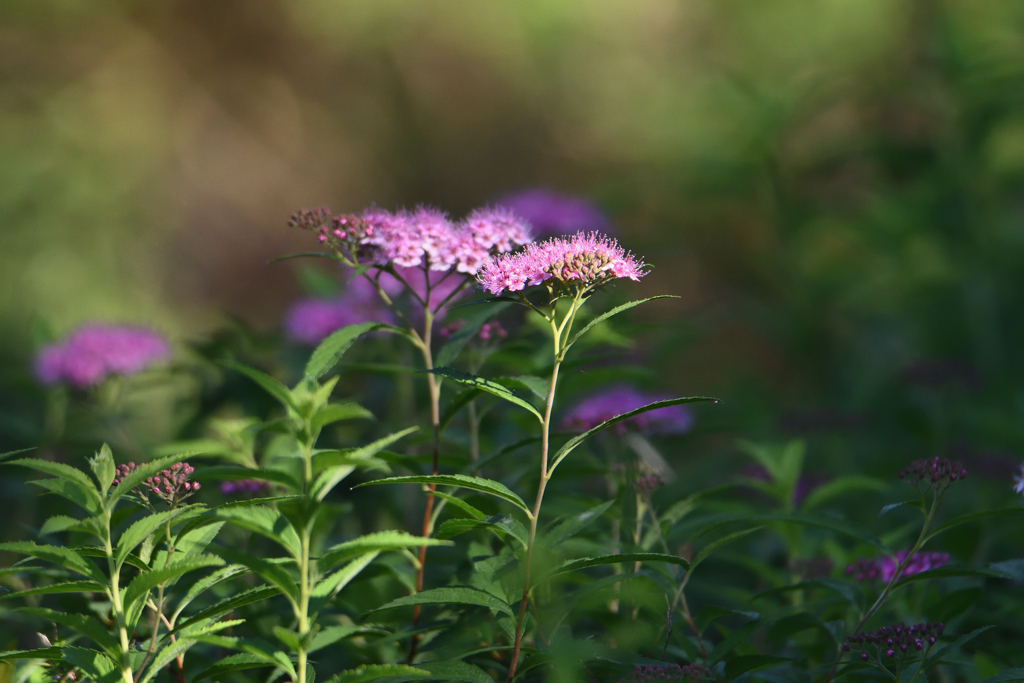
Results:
[116, 605]
[305, 580]
[559, 335]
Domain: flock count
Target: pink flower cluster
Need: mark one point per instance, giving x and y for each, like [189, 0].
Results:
[884, 568]
[93, 352]
[244, 487]
[581, 260]
[425, 237]
[604, 406]
[171, 486]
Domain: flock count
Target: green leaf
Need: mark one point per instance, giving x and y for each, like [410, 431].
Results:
[618, 558]
[715, 545]
[165, 656]
[373, 673]
[336, 412]
[64, 587]
[140, 586]
[741, 665]
[458, 402]
[470, 326]
[48, 653]
[1008, 675]
[615, 311]
[487, 486]
[450, 595]
[264, 521]
[59, 523]
[823, 521]
[268, 383]
[65, 557]
[841, 486]
[575, 441]
[572, 526]
[959, 642]
[289, 639]
[538, 386]
[326, 589]
[232, 602]
[488, 386]
[59, 469]
[473, 512]
[140, 530]
[893, 506]
[455, 671]
[503, 525]
[76, 493]
[97, 666]
[11, 454]
[103, 468]
[272, 573]
[378, 541]
[231, 663]
[331, 476]
[333, 634]
[330, 351]
[87, 626]
[973, 517]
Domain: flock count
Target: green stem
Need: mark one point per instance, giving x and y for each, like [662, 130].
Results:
[305, 582]
[117, 607]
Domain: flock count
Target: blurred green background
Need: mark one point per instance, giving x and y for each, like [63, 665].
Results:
[835, 189]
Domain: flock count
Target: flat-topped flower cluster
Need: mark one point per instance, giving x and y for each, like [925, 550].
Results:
[424, 237]
[583, 260]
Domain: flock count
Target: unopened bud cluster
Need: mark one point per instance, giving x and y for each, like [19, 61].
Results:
[171, 485]
[894, 641]
[670, 672]
[347, 233]
[648, 483]
[939, 473]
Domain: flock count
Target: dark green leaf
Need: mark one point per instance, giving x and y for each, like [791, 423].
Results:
[458, 402]
[228, 604]
[455, 671]
[264, 521]
[973, 517]
[231, 663]
[381, 540]
[841, 486]
[1008, 675]
[87, 626]
[741, 665]
[49, 653]
[268, 383]
[65, 557]
[618, 558]
[715, 545]
[326, 589]
[272, 573]
[96, 665]
[503, 525]
[383, 673]
[140, 586]
[451, 595]
[487, 486]
[65, 587]
[489, 386]
[461, 504]
[331, 476]
[573, 525]
[336, 412]
[615, 311]
[330, 350]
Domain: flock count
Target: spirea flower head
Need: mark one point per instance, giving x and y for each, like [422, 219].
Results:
[884, 568]
[894, 641]
[939, 473]
[606, 405]
[92, 353]
[670, 672]
[583, 260]
[551, 213]
[424, 237]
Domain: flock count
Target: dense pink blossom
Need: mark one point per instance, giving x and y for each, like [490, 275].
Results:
[884, 568]
[552, 214]
[582, 260]
[606, 405]
[93, 352]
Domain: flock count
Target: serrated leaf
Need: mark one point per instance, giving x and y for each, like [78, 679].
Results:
[64, 587]
[238, 662]
[538, 386]
[455, 671]
[473, 512]
[330, 586]
[841, 486]
[489, 386]
[264, 521]
[96, 665]
[575, 441]
[85, 498]
[715, 545]
[378, 541]
[331, 476]
[613, 312]
[336, 412]
[330, 350]
[103, 468]
[59, 469]
[586, 562]
[65, 557]
[266, 382]
[470, 326]
[333, 634]
[165, 656]
[272, 573]
[226, 605]
[973, 517]
[140, 586]
[87, 626]
[371, 673]
[573, 525]
[503, 525]
[140, 530]
[59, 523]
[487, 486]
[450, 595]
[48, 653]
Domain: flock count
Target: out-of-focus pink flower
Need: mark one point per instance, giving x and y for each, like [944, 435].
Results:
[884, 568]
[552, 214]
[244, 487]
[1018, 481]
[604, 406]
[581, 260]
[311, 320]
[93, 352]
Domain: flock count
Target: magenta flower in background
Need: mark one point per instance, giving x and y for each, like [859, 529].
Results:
[884, 568]
[1018, 481]
[249, 487]
[553, 214]
[582, 260]
[606, 405]
[93, 352]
